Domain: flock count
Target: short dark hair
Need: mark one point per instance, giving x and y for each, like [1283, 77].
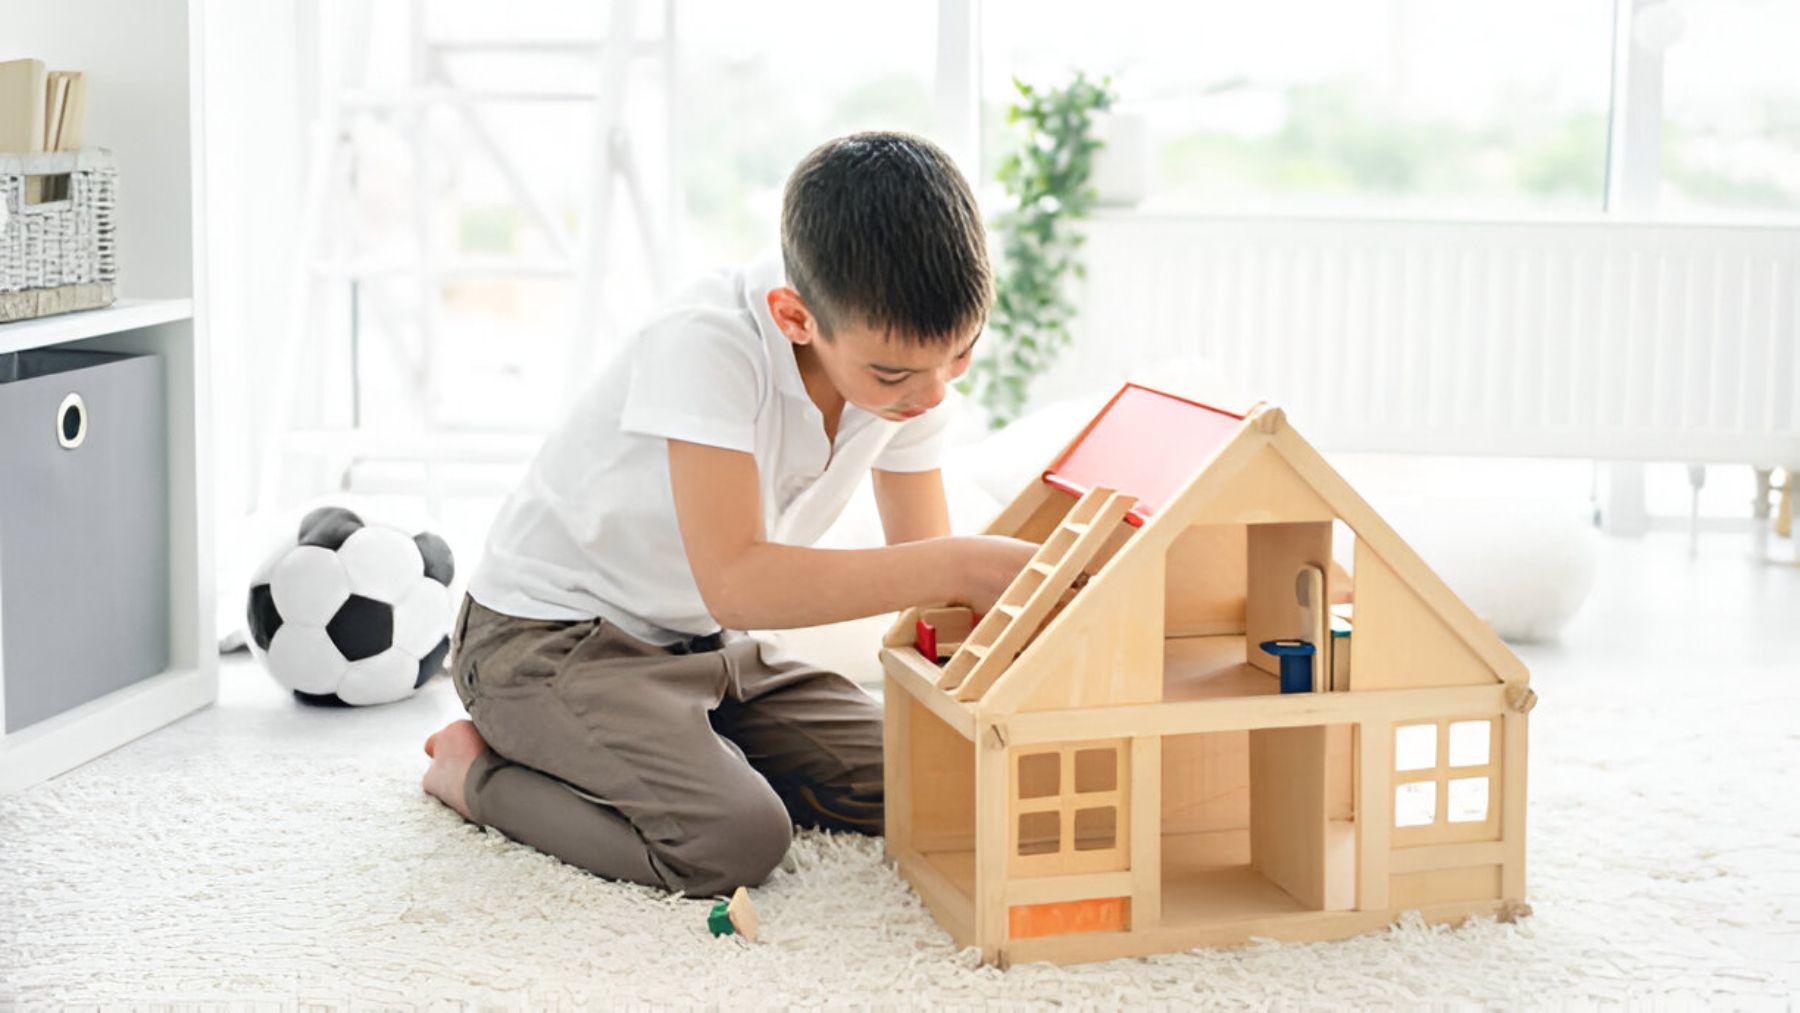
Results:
[880, 229]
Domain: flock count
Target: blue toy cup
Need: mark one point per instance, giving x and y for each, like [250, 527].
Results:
[1296, 663]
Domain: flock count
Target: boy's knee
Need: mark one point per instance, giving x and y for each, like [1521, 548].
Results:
[740, 848]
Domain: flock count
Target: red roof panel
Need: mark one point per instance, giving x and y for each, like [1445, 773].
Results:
[1146, 444]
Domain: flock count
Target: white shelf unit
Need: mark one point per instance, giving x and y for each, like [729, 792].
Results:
[141, 62]
[124, 315]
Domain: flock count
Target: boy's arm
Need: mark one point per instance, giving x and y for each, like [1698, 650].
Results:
[748, 583]
[912, 505]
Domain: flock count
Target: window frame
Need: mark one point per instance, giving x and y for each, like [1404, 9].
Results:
[1067, 858]
[1441, 830]
[1632, 173]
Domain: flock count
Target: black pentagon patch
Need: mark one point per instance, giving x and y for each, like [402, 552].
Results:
[431, 663]
[261, 616]
[440, 565]
[362, 628]
[320, 699]
[328, 527]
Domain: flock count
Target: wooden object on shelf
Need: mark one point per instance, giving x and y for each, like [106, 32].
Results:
[1106, 767]
[65, 110]
[22, 87]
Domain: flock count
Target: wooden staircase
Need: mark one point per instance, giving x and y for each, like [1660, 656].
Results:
[1008, 627]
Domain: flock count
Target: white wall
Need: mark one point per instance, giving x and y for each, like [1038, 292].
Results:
[137, 96]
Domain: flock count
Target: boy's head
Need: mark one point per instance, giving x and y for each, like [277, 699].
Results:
[884, 247]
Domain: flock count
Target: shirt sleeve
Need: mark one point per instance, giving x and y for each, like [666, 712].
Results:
[918, 445]
[696, 382]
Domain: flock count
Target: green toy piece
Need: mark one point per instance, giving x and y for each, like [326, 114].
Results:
[736, 916]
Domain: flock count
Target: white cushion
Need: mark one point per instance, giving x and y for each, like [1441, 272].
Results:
[1514, 539]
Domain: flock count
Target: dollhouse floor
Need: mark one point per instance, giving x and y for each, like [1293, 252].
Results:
[1202, 668]
[1208, 879]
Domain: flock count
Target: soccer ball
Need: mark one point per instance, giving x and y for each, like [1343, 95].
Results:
[352, 613]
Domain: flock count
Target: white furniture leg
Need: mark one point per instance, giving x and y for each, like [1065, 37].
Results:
[1759, 513]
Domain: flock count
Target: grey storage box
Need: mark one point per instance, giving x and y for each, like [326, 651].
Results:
[84, 528]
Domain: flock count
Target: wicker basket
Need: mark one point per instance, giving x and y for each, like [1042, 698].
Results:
[57, 254]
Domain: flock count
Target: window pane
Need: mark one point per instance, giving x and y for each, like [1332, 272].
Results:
[1039, 774]
[1096, 829]
[761, 89]
[1040, 833]
[1731, 109]
[1415, 805]
[1365, 105]
[1096, 770]
[1469, 743]
[1415, 747]
[1468, 799]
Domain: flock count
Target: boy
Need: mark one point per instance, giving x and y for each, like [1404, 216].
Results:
[616, 724]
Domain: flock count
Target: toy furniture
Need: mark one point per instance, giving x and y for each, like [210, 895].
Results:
[736, 916]
[1105, 764]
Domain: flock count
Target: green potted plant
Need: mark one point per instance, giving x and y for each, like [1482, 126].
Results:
[1048, 179]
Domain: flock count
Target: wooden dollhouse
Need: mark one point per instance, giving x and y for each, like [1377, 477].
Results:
[1105, 763]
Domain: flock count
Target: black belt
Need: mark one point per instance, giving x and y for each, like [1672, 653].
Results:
[698, 645]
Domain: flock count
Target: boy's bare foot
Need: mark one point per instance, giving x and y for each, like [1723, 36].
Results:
[452, 749]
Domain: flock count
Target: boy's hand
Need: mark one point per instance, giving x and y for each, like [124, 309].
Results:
[988, 564]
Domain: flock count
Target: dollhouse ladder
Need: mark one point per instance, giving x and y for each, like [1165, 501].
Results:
[1008, 626]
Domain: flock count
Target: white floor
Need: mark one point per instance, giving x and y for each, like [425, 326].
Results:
[263, 851]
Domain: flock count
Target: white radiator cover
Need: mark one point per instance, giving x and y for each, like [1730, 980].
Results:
[1624, 341]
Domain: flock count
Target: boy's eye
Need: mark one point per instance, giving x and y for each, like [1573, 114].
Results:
[890, 381]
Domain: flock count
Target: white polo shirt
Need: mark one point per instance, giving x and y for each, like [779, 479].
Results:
[591, 532]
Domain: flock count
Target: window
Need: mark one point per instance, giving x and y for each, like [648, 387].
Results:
[1731, 108]
[1444, 776]
[1069, 806]
[760, 89]
[1394, 106]
[451, 244]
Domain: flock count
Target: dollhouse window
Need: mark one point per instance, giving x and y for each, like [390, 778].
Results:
[1415, 747]
[1468, 799]
[1096, 770]
[1040, 833]
[1096, 829]
[1415, 804]
[1067, 804]
[1469, 743]
[1039, 774]
[1444, 780]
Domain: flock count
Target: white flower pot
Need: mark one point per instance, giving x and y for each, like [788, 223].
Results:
[1122, 166]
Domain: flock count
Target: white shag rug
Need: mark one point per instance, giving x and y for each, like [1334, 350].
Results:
[275, 854]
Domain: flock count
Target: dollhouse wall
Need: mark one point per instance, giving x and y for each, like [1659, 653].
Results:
[1206, 583]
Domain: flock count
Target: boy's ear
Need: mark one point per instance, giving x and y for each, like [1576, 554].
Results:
[792, 316]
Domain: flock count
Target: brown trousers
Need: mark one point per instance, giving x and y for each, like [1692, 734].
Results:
[681, 770]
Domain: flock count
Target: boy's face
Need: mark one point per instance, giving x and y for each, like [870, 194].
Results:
[894, 379]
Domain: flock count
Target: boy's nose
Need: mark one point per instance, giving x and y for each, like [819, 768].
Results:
[934, 395]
